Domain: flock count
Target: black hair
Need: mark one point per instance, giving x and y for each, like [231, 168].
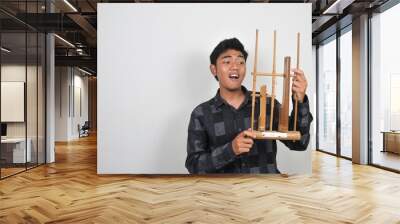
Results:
[227, 44]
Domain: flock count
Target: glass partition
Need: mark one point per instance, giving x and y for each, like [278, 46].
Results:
[14, 154]
[22, 101]
[327, 96]
[346, 94]
[385, 89]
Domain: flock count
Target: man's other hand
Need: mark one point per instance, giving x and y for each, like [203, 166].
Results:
[299, 84]
[243, 142]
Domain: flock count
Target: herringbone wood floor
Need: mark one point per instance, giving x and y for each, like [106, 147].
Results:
[70, 191]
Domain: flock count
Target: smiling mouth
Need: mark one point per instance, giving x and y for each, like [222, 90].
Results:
[233, 76]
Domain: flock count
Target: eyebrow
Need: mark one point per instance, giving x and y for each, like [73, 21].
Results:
[229, 56]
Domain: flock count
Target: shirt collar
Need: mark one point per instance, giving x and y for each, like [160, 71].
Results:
[219, 101]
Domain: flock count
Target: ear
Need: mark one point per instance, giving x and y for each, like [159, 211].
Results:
[213, 69]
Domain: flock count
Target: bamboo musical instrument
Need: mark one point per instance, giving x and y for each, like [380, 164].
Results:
[283, 132]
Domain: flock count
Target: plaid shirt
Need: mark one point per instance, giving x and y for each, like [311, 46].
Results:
[214, 124]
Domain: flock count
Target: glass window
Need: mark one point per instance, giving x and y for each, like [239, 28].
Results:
[14, 153]
[32, 94]
[385, 89]
[22, 91]
[346, 94]
[327, 97]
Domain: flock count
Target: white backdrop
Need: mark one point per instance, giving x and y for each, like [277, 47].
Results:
[153, 69]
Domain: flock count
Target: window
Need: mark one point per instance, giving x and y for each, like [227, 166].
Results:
[22, 66]
[346, 94]
[327, 97]
[385, 89]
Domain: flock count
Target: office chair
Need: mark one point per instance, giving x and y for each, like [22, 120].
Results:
[84, 130]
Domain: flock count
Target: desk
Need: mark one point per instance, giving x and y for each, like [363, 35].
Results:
[13, 150]
[391, 141]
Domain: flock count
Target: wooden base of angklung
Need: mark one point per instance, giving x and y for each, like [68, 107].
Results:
[277, 135]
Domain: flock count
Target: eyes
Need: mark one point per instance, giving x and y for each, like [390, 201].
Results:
[228, 61]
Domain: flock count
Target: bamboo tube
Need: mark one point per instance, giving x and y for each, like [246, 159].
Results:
[270, 74]
[254, 82]
[296, 102]
[273, 84]
[284, 110]
[263, 109]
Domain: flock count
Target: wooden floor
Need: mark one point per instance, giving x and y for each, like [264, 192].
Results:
[5, 172]
[70, 191]
[387, 159]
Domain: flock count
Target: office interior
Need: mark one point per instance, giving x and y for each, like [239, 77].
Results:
[49, 77]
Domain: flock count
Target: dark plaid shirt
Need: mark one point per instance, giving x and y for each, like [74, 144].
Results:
[214, 124]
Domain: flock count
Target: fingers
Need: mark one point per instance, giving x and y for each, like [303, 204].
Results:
[247, 140]
[297, 71]
[299, 82]
[243, 142]
[297, 89]
[243, 150]
[244, 146]
[249, 134]
[298, 75]
[299, 85]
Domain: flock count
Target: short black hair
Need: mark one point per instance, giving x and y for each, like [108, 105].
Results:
[227, 44]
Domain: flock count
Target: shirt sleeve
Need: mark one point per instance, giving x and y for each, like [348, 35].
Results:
[304, 119]
[200, 158]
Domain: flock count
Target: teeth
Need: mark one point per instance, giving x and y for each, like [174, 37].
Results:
[234, 76]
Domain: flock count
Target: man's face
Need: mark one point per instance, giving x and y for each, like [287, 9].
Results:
[230, 69]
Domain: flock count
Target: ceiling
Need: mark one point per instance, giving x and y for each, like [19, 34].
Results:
[76, 22]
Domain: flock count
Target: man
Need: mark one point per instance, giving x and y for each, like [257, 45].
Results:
[219, 136]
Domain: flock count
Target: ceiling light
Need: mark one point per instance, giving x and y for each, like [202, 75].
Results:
[5, 50]
[337, 7]
[70, 5]
[64, 40]
[84, 71]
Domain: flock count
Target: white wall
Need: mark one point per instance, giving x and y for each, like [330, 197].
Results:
[68, 81]
[153, 69]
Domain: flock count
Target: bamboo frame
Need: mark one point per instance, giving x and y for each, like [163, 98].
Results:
[271, 74]
[263, 108]
[253, 102]
[273, 84]
[296, 102]
[283, 132]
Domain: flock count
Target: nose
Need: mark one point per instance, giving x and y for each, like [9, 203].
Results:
[235, 65]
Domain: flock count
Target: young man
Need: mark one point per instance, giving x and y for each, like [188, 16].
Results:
[219, 136]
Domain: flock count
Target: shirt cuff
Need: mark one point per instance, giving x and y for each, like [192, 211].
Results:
[303, 107]
[231, 153]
